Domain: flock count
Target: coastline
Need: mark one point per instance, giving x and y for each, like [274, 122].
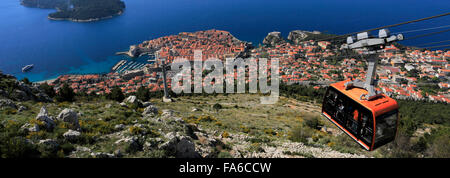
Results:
[48, 81]
[87, 20]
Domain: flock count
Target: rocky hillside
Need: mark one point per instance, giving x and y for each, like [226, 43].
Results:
[297, 36]
[13, 90]
[34, 125]
[107, 129]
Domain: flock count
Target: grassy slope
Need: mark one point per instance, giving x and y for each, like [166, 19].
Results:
[241, 114]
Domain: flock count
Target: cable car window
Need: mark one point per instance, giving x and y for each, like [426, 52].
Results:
[329, 103]
[348, 115]
[342, 109]
[386, 126]
[367, 127]
[352, 116]
[331, 96]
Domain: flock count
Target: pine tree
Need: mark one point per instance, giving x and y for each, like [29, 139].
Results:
[48, 90]
[65, 93]
[116, 94]
[143, 94]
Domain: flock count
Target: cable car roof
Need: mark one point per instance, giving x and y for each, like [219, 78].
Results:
[378, 106]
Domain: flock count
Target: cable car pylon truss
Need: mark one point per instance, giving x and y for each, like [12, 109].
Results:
[373, 45]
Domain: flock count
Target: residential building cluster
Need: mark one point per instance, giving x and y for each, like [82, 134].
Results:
[213, 43]
[401, 73]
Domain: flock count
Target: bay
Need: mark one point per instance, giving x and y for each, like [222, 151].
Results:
[64, 47]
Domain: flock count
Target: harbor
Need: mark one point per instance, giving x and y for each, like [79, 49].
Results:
[133, 63]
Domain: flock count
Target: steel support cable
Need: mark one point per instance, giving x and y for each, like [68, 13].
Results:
[329, 82]
[427, 34]
[437, 42]
[387, 26]
[423, 29]
[440, 46]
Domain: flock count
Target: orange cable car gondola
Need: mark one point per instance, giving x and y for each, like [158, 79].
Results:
[369, 117]
[371, 123]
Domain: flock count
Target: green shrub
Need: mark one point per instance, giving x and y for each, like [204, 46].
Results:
[143, 93]
[48, 90]
[156, 154]
[260, 139]
[202, 118]
[245, 129]
[42, 134]
[49, 151]
[116, 94]
[420, 146]
[65, 93]
[87, 138]
[345, 144]
[256, 147]
[313, 123]
[440, 147]
[206, 118]
[191, 119]
[306, 155]
[217, 106]
[300, 134]
[9, 111]
[270, 131]
[26, 81]
[67, 148]
[225, 134]
[224, 154]
[423, 112]
[17, 147]
[135, 130]
[302, 92]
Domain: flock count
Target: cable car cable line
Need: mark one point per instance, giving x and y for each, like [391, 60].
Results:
[427, 34]
[387, 26]
[439, 46]
[423, 29]
[437, 42]
[398, 83]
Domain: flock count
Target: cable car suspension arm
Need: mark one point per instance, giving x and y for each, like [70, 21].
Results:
[373, 46]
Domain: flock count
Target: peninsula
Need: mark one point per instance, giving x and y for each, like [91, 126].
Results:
[79, 10]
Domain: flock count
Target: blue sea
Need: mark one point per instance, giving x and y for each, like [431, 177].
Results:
[64, 47]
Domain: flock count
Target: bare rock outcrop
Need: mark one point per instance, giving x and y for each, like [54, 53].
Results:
[150, 110]
[21, 91]
[179, 146]
[273, 38]
[7, 103]
[44, 117]
[69, 116]
[30, 128]
[72, 135]
[297, 36]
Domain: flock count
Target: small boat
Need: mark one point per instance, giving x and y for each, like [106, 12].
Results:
[27, 68]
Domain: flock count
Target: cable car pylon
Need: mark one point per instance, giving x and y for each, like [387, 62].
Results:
[166, 97]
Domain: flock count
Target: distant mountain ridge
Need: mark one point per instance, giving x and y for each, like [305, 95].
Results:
[79, 10]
